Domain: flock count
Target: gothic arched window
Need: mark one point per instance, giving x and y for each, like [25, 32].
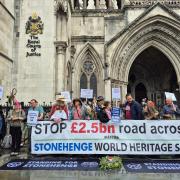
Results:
[88, 79]
[83, 81]
[93, 84]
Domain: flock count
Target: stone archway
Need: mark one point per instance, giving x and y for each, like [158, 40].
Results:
[158, 32]
[140, 92]
[155, 71]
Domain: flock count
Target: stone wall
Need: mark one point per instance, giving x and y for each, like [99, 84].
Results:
[36, 73]
[6, 45]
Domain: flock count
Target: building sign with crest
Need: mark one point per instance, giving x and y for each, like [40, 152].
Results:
[34, 27]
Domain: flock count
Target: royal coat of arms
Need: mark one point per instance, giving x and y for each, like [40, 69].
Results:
[34, 25]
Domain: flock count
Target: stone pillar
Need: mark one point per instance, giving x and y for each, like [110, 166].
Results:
[97, 4]
[124, 91]
[91, 4]
[84, 4]
[60, 65]
[81, 4]
[110, 4]
[102, 4]
[73, 51]
[114, 4]
[107, 89]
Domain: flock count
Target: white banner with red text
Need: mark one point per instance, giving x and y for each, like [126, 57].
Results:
[92, 137]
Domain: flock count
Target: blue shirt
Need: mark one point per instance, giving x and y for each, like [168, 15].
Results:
[37, 108]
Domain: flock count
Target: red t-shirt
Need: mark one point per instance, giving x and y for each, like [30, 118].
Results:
[128, 112]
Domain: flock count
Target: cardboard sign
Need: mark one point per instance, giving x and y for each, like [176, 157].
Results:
[87, 93]
[32, 118]
[171, 96]
[67, 96]
[115, 115]
[1, 92]
[116, 93]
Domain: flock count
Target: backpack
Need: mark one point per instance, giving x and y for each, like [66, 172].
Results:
[102, 116]
[7, 141]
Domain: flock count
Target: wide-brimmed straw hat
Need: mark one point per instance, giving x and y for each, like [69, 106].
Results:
[61, 98]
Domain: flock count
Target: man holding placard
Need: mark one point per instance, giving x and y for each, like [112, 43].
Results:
[35, 113]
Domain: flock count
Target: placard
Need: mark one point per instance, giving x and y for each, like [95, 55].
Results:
[59, 115]
[116, 93]
[115, 115]
[87, 93]
[67, 96]
[32, 118]
[171, 96]
[1, 92]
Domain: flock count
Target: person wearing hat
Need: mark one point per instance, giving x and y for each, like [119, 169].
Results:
[59, 107]
[100, 103]
[78, 110]
[14, 119]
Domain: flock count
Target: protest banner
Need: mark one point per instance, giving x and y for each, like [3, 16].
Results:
[32, 118]
[139, 137]
[87, 93]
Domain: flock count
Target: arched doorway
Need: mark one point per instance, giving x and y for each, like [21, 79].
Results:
[140, 92]
[156, 71]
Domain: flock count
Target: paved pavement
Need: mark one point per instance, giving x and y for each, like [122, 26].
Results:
[75, 175]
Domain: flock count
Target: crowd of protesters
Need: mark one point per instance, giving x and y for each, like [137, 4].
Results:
[97, 109]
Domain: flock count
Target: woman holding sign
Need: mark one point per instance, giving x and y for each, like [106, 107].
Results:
[59, 110]
[78, 111]
[15, 118]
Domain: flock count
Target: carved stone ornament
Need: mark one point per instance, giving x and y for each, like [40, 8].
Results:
[34, 25]
[63, 4]
[151, 2]
[88, 66]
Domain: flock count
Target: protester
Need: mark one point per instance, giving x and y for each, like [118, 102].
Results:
[78, 111]
[150, 111]
[170, 110]
[84, 101]
[107, 108]
[133, 109]
[100, 103]
[70, 108]
[59, 110]
[94, 102]
[144, 102]
[34, 107]
[103, 110]
[90, 113]
[14, 118]
[2, 125]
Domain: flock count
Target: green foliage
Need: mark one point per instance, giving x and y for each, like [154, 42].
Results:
[110, 163]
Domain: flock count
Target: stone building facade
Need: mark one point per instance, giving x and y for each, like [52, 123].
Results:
[7, 20]
[63, 45]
